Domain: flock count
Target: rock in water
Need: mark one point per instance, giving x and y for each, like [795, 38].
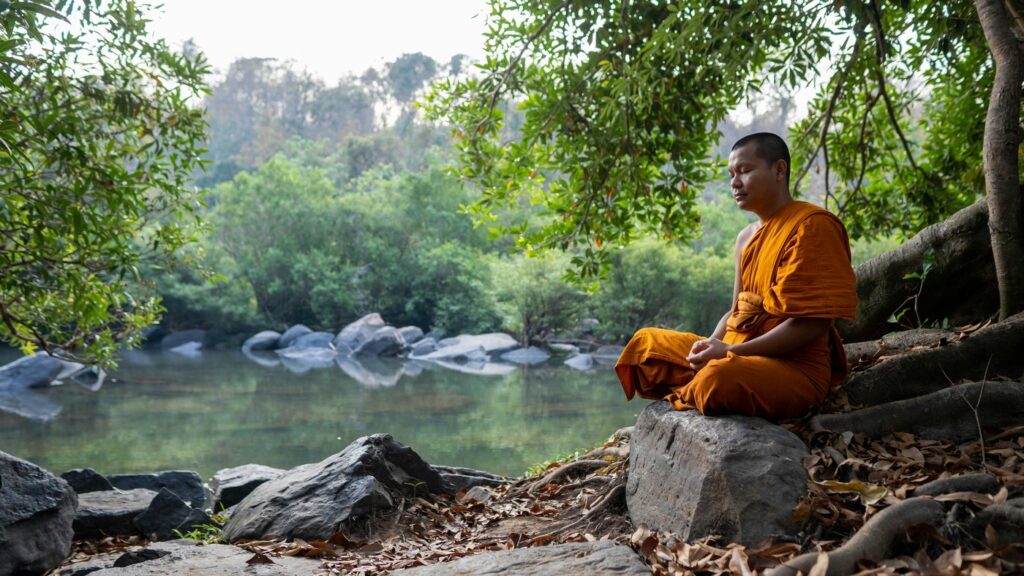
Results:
[580, 362]
[527, 356]
[353, 335]
[386, 341]
[188, 485]
[313, 340]
[265, 340]
[342, 493]
[602, 558]
[177, 339]
[411, 334]
[231, 485]
[36, 512]
[735, 476]
[30, 371]
[292, 334]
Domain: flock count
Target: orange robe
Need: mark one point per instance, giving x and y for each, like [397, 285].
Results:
[796, 265]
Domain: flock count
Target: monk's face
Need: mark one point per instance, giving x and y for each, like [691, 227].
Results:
[757, 185]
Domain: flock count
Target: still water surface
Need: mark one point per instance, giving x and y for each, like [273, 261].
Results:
[162, 410]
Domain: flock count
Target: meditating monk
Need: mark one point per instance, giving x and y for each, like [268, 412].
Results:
[776, 352]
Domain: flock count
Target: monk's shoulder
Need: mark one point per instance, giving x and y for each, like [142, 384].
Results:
[743, 238]
[820, 223]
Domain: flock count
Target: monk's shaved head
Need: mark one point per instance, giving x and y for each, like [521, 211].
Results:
[769, 147]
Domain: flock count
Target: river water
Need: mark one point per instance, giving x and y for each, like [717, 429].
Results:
[162, 410]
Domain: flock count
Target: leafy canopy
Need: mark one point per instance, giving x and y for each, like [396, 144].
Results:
[98, 141]
[621, 102]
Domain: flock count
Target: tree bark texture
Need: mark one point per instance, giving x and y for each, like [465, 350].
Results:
[961, 285]
[995, 350]
[1002, 140]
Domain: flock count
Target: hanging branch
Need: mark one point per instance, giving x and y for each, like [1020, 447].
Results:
[829, 109]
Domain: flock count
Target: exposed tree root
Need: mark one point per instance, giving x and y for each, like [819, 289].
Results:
[962, 242]
[897, 342]
[921, 372]
[942, 415]
[1007, 518]
[566, 470]
[596, 512]
[985, 483]
[872, 541]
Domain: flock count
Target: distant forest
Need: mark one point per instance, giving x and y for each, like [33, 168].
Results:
[324, 203]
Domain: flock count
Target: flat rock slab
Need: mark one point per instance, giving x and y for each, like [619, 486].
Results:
[591, 558]
[110, 512]
[186, 557]
[736, 476]
[33, 371]
[467, 347]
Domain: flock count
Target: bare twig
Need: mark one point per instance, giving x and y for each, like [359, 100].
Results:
[975, 406]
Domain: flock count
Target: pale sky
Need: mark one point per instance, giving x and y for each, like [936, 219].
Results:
[330, 38]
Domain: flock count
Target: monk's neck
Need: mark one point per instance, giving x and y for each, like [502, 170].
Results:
[766, 214]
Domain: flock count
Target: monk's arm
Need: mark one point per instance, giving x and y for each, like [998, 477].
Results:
[720, 329]
[789, 336]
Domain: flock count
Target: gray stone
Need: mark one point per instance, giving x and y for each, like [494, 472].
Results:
[84, 480]
[90, 378]
[570, 349]
[479, 367]
[176, 339]
[423, 347]
[33, 371]
[526, 356]
[580, 362]
[602, 558]
[445, 342]
[265, 340]
[411, 334]
[359, 331]
[265, 359]
[608, 354]
[69, 369]
[231, 485]
[190, 349]
[469, 348]
[345, 492]
[166, 514]
[36, 512]
[90, 566]
[188, 485]
[386, 341]
[111, 512]
[291, 334]
[133, 557]
[478, 494]
[735, 476]
[314, 340]
[28, 404]
[186, 557]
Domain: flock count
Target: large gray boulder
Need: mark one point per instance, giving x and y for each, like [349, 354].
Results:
[526, 356]
[182, 338]
[265, 340]
[188, 485]
[187, 557]
[313, 340]
[33, 371]
[302, 360]
[110, 512]
[343, 493]
[735, 476]
[411, 334]
[231, 485]
[601, 558]
[353, 335]
[580, 362]
[608, 354]
[36, 512]
[386, 341]
[292, 334]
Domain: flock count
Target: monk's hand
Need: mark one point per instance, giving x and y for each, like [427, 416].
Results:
[704, 351]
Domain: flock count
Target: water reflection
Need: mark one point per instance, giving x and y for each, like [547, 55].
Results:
[161, 410]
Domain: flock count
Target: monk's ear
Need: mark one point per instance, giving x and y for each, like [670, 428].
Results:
[780, 170]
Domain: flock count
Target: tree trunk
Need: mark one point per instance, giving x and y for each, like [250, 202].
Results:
[1002, 139]
[961, 285]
